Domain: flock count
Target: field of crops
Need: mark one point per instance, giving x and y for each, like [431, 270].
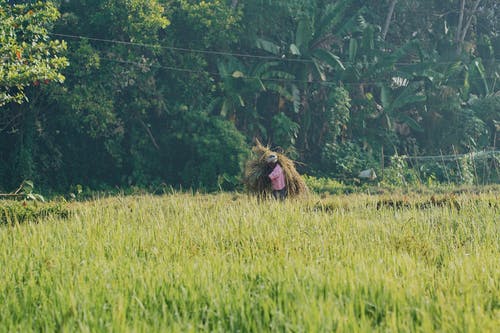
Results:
[227, 262]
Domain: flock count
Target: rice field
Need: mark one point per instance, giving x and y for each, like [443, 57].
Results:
[229, 263]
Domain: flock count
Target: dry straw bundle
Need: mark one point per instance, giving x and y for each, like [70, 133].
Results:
[257, 170]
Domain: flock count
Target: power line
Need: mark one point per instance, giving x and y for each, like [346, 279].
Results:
[222, 53]
[280, 80]
[173, 48]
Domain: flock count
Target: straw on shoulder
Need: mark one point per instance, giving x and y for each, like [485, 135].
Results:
[256, 171]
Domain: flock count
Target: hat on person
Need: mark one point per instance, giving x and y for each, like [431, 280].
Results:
[272, 158]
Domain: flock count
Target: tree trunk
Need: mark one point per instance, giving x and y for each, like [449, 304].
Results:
[25, 166]
[388, 18]
[460, 23]
[469, 21]
[463, 32]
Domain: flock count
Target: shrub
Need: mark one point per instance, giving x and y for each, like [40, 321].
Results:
[13, 212]
[345, 161]
[399, 173]
[327, 185]
[217, 152]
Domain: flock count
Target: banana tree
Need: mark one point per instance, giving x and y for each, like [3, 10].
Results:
[397, 103]
[312, 56]
[241, 88]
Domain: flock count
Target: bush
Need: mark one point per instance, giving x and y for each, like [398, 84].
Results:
[327, 185]
[345, 161]
[205, 152]
[399, 173]
[13, 212]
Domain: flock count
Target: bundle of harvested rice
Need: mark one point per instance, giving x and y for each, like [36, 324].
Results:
[257, 169]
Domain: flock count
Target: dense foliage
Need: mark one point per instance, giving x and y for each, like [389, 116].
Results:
[27, 57]
[174, 91]
[15, 212]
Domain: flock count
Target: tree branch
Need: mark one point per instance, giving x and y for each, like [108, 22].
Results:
[460, 23]
[150, 135]
[462, 32]
[11, 121]
[15, 193]
[469, 21]
[388, 18]
[10, 195]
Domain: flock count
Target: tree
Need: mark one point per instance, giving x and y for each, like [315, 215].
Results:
[28, 55]
[169, 90]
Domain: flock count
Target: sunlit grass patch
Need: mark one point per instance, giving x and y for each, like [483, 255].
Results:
[229, 262]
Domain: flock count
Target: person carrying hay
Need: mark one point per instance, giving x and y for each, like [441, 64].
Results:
[261, 171]
[277, 177]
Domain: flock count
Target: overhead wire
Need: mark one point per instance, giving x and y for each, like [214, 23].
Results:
[283, 58]
[174, 48]
[225, 53]
[281, 80]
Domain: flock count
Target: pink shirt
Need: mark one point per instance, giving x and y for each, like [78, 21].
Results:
[277, 178]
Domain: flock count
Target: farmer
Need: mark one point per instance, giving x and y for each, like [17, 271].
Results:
[277, 177]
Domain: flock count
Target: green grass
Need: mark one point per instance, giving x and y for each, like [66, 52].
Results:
[229, 263]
